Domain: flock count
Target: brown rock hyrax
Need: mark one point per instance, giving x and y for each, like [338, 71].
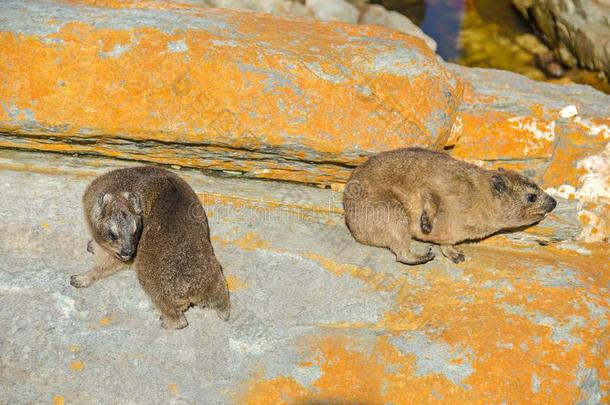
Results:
[429, 196]
[150, 218]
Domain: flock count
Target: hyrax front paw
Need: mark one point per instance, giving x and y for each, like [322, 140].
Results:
[458, 258]
[453, 254]
[90, 247]
[173, 323]
[80, 281]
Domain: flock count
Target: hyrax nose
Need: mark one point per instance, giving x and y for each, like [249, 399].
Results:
[126, 252]
[551, 203]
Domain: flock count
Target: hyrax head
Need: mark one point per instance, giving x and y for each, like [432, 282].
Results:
[117, 223]
[521, 202]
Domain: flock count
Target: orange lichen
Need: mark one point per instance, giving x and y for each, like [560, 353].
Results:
[517, 357]
[280, 390]
[235, 283]
[491, 135]
[563, 168]
[77, 365]
[105, 321]
[254, 104]
[250, 242]
[375, 280]
[337, 187]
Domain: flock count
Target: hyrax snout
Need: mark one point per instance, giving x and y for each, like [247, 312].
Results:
[118, 221]
[144, 217]
[417, 193]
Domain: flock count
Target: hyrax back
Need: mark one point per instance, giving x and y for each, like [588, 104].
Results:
[150, 218]
[426, 195]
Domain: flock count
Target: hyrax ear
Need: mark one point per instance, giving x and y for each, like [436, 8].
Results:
[501, 170]
[101, 201]
[134, 201]
[498, 182]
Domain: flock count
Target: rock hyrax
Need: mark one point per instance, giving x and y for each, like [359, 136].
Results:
[429, 196]
[150, 218]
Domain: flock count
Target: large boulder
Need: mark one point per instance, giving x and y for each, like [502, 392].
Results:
[579, 30]
[282, 99]
[333, 10]
[557, 134]
[352, 11]
[316, 318]
[216, 89]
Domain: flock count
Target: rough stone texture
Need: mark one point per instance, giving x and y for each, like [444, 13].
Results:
[354, 11]
[377, 15]
[216, 88]
[510, 121]
[333, 10]
[578, 30]
[286, 8]
[317, 318]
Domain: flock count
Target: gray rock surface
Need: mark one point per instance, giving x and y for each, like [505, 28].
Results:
[301, 277]
[579, 30]
[333, 10]
[354, 12]
[377, 15]
[286, 8]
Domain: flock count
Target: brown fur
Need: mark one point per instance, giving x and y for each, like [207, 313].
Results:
[416, 193]
[150, 218]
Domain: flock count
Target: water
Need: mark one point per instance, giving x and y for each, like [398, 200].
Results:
[443, 22]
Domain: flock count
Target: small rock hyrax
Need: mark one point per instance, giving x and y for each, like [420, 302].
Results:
[152, 219]
[417, 193]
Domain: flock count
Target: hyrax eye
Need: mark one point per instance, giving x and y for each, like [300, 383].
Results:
[532, 198]
[112, 235]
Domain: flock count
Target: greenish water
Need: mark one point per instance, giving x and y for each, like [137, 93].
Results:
[489, 34]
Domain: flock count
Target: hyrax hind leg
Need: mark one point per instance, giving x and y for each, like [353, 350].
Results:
[385, 224]
[452, 253]
[172, 314]
[422, 208]
[105, 265]
[216, 297]
[171, 307]
[221, 301]
[400, 244]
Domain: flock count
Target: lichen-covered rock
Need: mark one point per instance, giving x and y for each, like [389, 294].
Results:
[578, 30]
[378, 15]
[316, 318]
[559, 135]
[352, 11]
[219, 89]
[216, 89]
